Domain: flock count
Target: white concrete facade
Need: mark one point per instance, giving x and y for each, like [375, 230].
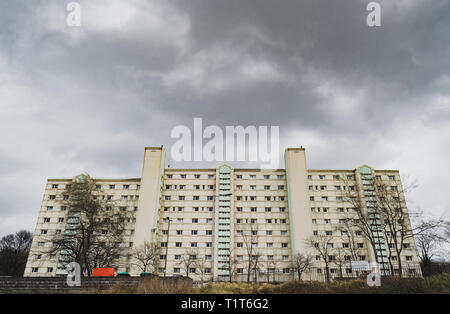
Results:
[215, 214]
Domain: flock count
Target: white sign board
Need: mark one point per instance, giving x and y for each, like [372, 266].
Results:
[360, 265]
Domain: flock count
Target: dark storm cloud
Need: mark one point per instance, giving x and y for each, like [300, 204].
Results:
[90, 99]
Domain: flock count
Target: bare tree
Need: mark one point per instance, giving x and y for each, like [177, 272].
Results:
[396, 219]
[340, 258]
[358, 219]
[387, 215]
[250, 238]
[145, 257]
[95, 227]
[201, 266]
[303, 262]
[14, 249]
[188, 260]
[430, 243]
[323, 246]
[232, 264]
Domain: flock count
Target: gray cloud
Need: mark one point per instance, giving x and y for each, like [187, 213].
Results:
[90, 99]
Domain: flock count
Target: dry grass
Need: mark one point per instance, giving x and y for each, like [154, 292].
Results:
[428, 285]
[165, 286]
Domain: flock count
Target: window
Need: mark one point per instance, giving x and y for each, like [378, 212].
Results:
[34, 269]
[194, 220]
[46, 219]
[281, 187]
[44, 231]
[321, 177]
[284, 245]
[178, 244]
[52, 197]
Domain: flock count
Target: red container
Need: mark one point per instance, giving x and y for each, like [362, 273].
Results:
[103, 272]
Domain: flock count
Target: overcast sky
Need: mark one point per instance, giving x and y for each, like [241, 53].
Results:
[91, 98]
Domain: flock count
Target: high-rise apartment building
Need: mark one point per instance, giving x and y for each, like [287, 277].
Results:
[227, 215]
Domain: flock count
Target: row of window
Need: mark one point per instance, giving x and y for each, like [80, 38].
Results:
[325, 188]
[266, 187]
[348, 177]
[114, 187]
[335, 177]
[239, 176]
[267, 221]
[266, 209]
[52, 197]
[325, 198]
[99, 186]
[195, 176]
